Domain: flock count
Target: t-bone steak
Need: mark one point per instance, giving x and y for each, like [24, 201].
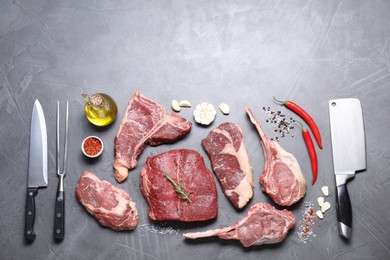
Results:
[230, 162]
[282, 178]
[187, 169]
[111, 206]
[144, 122]
[263, 224]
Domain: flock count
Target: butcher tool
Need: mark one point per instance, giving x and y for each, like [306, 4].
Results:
[59, 217]
[37, 166]
[349, 154]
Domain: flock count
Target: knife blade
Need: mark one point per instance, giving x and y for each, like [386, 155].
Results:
[349, 154]
[37, 166]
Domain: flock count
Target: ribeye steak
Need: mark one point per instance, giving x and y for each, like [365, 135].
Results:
[111, 206]
[144, 122]
[230, 162]
[263, 224]
[187, 168]
[282, 177]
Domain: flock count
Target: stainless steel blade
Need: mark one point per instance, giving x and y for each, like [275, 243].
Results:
[347, 133]
[37, 167]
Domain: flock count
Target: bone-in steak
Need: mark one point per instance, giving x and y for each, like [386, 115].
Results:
[282, 178]
[144, 122]
[187, 168]
[263, 224]
[230, 162]
[111, 206]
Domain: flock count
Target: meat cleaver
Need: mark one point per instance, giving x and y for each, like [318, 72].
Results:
[349, 154]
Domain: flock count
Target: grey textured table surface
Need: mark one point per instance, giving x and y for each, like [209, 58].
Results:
[238, 52]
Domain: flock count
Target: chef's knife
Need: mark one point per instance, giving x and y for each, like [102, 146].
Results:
[37, 166]
[349, 153]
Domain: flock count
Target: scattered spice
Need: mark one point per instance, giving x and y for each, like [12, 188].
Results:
[92, 146]
[283, 124]
[307, 222]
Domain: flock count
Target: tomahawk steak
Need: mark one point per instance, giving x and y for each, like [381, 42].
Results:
[263, 224]
[187, 169]
[230, 162]
[282, 178]
[144, 122]
[112, 207]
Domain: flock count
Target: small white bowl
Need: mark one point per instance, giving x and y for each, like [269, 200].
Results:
[96, 155]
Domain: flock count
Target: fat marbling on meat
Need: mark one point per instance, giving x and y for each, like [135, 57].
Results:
[112, 207]
[263, 224]
[144, 122]
[230, 162]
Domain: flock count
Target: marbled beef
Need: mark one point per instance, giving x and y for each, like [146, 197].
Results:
[282, 178]
[263, 224]
[112, 207]
[144, 122]
[230, 162]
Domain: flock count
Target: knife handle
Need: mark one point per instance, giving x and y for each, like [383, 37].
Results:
[30, 214]
[59, 217]
[344, 211]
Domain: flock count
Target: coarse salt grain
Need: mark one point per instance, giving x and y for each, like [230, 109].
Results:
[308, 217]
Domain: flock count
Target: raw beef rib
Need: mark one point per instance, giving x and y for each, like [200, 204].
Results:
[144, 122]
[230, 162]
[187, 168]
[111, 206]
[263, 224]
[282, 178]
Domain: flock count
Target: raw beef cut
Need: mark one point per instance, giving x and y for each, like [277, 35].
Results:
[111, 206]
[144, 122]
[282, 177]
[186, 168]
[263, 224]
[230, 162]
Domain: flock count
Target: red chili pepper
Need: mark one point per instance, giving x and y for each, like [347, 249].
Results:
[312, 153]
[305, 116]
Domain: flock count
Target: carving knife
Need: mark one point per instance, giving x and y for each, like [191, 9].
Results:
[37, 166]
[349, 154]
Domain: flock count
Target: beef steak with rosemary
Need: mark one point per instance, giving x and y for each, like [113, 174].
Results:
[144, 122]
[178, 186]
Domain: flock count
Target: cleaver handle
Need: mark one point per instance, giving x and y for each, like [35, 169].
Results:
[344, 211]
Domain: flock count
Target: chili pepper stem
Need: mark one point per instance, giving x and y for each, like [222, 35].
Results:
[279, 101]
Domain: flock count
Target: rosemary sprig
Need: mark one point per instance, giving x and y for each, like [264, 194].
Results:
[178, 188]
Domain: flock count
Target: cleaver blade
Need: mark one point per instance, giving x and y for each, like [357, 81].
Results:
[349, 153]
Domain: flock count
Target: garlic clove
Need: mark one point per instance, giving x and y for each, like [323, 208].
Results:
[185, 103]
[320, 201]
[224, 108]
[325, 207]
[325, 191]
[175, 105]
[319, 214]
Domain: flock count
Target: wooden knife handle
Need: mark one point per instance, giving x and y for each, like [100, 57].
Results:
[30, 214]
[344, 211]
[59, 217]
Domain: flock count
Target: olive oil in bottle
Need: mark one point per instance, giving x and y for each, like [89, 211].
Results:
[100, 109]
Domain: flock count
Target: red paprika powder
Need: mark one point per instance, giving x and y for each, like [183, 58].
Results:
[92, 146]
